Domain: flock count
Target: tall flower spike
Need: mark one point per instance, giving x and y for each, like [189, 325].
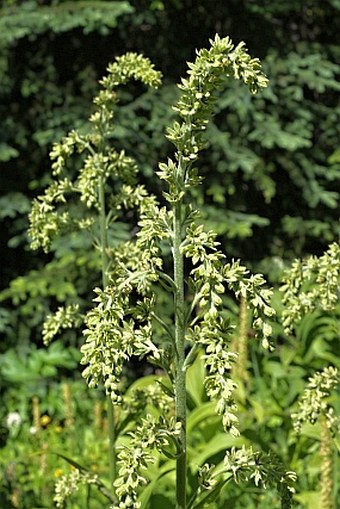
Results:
[121, 324]
[240, 344]
[205, 77]
[49, 215]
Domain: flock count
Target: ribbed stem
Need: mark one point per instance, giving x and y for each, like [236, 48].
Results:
[105, 263]
[180, 376]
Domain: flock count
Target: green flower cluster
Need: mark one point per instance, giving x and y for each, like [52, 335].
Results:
[244, 465]
[69, 484]
[205, 76]
[114, 334]
[209, 328]
[310, 284]
[64, 318]
[100, 163]
[263, 469]
[314, 402]
[133, 459]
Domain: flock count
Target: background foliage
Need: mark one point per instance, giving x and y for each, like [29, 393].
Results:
[271, 168]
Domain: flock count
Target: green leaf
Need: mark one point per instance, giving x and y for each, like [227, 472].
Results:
[309, 499]
[195, 379]
[147, 492]
[203, 412]
[13, 204]
[142, 382]
[7, 153]
[69, 460]
[220, 442]
[211, 496]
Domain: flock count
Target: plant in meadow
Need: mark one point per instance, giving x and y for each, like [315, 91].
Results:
[126, 316]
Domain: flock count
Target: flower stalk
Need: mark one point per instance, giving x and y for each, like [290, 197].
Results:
[104, 269]
[180, 372]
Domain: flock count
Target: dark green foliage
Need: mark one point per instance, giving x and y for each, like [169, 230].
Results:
[271, 169]
[278, 149]
[33, 18]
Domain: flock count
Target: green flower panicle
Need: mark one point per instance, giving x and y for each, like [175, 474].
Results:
[314, 402]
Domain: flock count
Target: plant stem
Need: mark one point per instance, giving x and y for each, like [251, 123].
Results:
[105, 264]
[180, 375]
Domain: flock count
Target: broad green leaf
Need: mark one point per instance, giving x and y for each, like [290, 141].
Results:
[203, 412]
[147, 492]
[195, 379]
[309, 499]
[220, 442]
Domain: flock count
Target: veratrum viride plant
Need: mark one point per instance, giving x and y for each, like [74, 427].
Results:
[124, 321]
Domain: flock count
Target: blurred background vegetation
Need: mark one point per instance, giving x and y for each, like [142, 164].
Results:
[271, 167]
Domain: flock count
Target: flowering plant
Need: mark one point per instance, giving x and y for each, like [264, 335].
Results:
[126, 321]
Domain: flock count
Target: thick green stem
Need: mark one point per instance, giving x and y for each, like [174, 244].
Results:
[180, 375]
[105, 264]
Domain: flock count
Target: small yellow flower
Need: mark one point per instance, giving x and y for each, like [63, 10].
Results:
[58, 472]
[45, 420]
[15, 498]
[58, 429]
